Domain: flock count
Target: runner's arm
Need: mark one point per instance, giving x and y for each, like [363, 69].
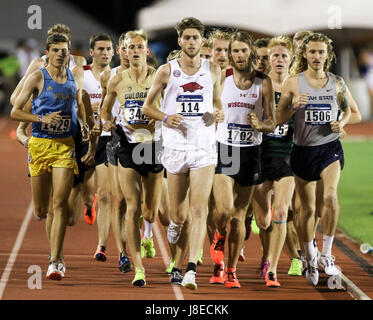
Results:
[284, 109]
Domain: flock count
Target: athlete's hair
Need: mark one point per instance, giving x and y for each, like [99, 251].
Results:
[245, 37]
[261, 42]
[136, 33]
[300, 63]
[61, 29]
[174, 54]
[121, 38]
[217, 34]
[98, 37]
[189, 23]
[300, 35]
[56, 38]
[283, 41]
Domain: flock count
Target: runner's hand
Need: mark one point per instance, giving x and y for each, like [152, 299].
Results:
[300, 101]
[88, 159]
[254, 121]
[174, 120]
[336, 126]
[52, 118]
[109, 125]
[97, 128]
[219, 116]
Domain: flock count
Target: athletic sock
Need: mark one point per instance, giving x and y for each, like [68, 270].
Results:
[148, 229]
[191, 266]
[310, 250]
[327, 242]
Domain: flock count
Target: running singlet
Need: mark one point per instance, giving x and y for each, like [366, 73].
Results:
[191, 97]
[237, 105]
[312, 122]
[278, 144]
[116, 110]
[131, 99]
[93, 88]
[56, 97]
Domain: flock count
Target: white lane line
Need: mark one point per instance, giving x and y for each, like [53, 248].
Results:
[166, 258]
[353, 289]
[13, 255]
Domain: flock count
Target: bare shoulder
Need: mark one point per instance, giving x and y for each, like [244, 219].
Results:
[115, 80]
[80, 60]
[36, 64]
[105, 76]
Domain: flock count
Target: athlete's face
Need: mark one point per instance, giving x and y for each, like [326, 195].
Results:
[262, 64]
[220, 52]
[279, 59]
[102, 53]
[137, 51]
[191, 42]
[121, 50]
[240, 52]
[58, 54]
[205, 53]
[316, 55]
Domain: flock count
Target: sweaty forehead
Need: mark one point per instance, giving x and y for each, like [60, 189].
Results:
[262, 51]
[239, 45]
[59, 45]
[279, 50]
[316, 45]
[135, 41]
[190, 32]
[219, 43]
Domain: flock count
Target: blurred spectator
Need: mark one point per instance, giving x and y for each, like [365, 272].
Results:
[9, 67]
[26, 51]
[366, 68]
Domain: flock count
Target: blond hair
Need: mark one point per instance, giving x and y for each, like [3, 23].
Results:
[136, 33]
[60, 28]
[174, 54]
[300, 63]
[219, 35]
[283, 41]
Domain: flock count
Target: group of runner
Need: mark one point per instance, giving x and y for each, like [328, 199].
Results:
[227, 130]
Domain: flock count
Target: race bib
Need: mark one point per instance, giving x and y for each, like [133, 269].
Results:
[242, 134]
[189, 105]
[133, 113]
[318, 114]
[63, 126]
[280, 132]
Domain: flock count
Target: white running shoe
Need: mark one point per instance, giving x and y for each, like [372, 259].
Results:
[327, 262]
[173, 232]
[61, 268]
[53, 273]
[312, 273]
[189, 280]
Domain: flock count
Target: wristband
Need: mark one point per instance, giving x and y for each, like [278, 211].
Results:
[165, 118]
[39, 120]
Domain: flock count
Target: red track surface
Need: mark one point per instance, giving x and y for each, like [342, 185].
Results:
[88, 279]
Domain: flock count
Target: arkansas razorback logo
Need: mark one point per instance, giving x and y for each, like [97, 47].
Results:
[191, 87]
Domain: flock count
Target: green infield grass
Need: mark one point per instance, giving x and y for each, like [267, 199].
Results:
[355, 191]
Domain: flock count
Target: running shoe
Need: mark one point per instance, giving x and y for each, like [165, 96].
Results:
[189, 280]
[62, 268]
[295, 267]
[139, 280]
[171, 266]
[271, 280]
[90, 214]
[218, 276]
[100, 254]
[254, 226]
[217, 248]
[231, 280]
[327, 263]
[312, 273]
[248, 225]
[124, 263]
[53, 273]
[242, 256]
[173, 232]
[149, 249]
[176, 277]
[263, 269]
[199, 261]
[142, 249]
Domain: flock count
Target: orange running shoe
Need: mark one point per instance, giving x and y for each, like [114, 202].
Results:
[217, 248]
[271, 280]
[218, 277]
[100, 254]
[231, 278]
[90, 214]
